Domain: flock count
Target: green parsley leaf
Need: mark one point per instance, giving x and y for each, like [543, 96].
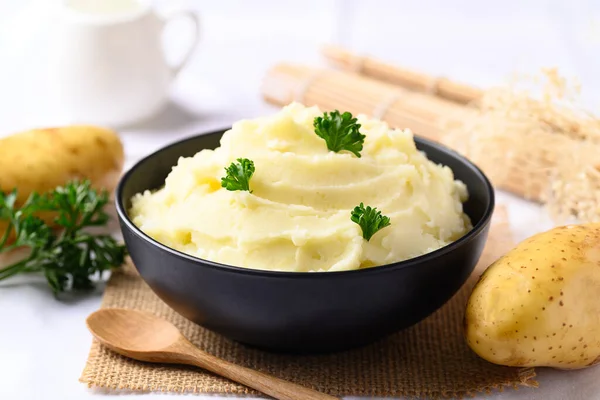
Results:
[69, 257]
[340, 132]
[369, 219]
[238, 175]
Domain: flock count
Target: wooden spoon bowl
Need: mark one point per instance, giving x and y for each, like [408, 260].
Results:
[146, 337]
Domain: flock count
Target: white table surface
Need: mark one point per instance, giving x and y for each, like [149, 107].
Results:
[44, 343]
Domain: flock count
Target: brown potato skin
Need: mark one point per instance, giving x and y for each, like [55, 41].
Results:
[538, 305]
[41, 159]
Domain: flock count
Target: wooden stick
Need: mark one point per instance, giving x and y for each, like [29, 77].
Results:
[403, 77]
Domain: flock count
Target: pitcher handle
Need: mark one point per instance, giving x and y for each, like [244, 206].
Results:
[177, 15]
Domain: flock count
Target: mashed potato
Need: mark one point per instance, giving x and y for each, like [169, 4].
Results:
[297, 217]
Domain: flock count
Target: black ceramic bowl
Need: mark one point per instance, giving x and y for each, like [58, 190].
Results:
[296, 311]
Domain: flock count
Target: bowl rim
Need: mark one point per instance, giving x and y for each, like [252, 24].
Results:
[411, 262]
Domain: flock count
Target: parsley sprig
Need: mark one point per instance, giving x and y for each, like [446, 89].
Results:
[340, 132]
[70, 255]
[238, 175]
[369, 219]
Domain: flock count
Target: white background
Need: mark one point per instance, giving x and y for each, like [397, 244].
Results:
[44, 343]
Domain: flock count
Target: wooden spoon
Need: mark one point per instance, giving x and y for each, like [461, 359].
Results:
[146, 337]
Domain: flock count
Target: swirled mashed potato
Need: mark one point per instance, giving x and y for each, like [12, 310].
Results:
[297, 217]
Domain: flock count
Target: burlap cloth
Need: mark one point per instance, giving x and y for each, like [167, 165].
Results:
[430, 359]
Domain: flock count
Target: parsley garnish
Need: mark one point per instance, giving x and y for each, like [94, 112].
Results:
[238, 175]
[340, 132]
[69, 256]
[369, 219]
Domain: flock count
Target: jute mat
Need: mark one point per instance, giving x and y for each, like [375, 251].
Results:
[430, 359]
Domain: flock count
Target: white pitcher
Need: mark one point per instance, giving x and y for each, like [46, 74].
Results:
[111, 65]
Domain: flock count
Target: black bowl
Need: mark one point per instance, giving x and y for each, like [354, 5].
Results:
[297, 311]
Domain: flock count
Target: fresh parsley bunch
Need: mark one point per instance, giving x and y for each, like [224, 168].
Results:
[68, 256]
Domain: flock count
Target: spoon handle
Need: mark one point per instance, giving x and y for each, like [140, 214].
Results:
[267, 384]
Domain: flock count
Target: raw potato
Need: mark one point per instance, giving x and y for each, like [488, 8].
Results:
[41, 159]
[539, 305]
